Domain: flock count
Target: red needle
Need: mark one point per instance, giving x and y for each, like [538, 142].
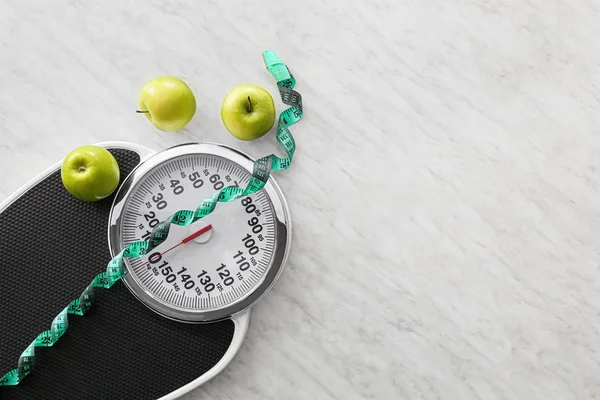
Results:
[184, 241]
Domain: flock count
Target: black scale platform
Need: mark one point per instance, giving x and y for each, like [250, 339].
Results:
[52, 247]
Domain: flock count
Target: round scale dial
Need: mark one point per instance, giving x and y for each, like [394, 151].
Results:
[216, 266]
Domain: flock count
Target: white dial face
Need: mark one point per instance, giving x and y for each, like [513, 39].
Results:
[217, 268]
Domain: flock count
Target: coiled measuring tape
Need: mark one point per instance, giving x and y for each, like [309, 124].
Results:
[116, 269]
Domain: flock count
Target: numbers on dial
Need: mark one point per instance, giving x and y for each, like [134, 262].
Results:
[217, 183]
[239, 258]
[256, 227]
[165, 269]
[224, 275]
[151, 219]
[199, 281]
[197, 181]
[188, 283]
[250, 244]
[177, 188]
[206, 281]
[158, 200]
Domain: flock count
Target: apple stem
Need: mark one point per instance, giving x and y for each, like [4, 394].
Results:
[249, 104]
[142, 112]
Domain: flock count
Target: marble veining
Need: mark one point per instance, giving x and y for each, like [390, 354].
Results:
[445, 192]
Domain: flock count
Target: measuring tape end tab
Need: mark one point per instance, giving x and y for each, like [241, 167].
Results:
[270, 58]
[276, 67]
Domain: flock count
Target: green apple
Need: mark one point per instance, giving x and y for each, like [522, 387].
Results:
[168, 103]
[248, 112]
[90, 173]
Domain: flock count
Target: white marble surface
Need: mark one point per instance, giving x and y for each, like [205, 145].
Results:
[445, 193]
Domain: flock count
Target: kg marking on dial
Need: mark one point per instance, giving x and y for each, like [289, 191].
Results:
[218, 267]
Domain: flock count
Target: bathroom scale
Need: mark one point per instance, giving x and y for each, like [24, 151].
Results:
[181, 313]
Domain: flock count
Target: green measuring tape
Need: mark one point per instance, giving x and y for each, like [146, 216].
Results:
[116, 268]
